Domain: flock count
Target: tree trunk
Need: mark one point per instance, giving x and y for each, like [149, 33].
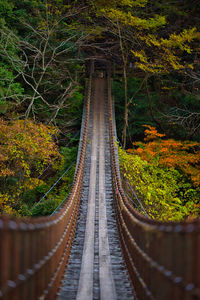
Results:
[151, 106]
[125, 107]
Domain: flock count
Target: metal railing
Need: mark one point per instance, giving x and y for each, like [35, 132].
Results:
[34, 252]
[163, 258]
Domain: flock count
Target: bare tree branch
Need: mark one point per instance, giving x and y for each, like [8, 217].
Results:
[185, 118]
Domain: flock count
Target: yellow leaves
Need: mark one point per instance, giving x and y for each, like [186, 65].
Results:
[120, 3]
[126, 18]
[5, 204]
[8, 210]
[43, 25]
[190, 66]
[94, 32]
[4, 198]
[151, 40]
[153, 53]
[31, 183]
[155, 22]
[170, 59]
[167, 51]
[174, 41]
[141, 55]
[22, 151]
[146, 65]
[180, 40]
[140, 3]
[24, 155]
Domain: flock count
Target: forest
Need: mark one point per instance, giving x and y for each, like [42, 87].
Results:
[154, 50]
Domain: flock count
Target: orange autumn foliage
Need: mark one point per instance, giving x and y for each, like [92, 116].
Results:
[181, 155]
[151, 133]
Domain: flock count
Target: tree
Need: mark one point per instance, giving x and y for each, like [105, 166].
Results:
[47, 63]
[23, 157]
[154, 45]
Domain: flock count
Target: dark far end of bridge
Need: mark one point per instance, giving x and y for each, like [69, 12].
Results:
[97, 246]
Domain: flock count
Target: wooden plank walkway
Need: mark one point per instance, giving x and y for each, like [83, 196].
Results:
[96, 269]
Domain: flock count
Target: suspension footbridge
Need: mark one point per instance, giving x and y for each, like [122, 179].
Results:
[97, 246]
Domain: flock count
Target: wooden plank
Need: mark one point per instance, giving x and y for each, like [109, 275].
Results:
[85, 287]
[107, 287]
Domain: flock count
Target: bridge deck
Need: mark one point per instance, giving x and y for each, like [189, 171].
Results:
[96, 269]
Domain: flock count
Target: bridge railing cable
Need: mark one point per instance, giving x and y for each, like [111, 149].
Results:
[162, 257]
[60, 205]
[116, 153]
[49, 165]
[57, 181]
[34, 251]
[136, 197]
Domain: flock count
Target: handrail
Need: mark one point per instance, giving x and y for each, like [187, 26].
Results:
[41, 246]
[163, 258]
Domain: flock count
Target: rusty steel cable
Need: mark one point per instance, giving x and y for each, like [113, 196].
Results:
[162, 257]
[34, 252]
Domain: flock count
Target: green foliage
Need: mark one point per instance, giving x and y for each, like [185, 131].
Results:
[135, 21]
[45, 208]
[69, 155]
[139, 112]
[9, 88]
[6, 8]
[160, 188]
[166, 173]
[60, 191]
[41, 66]
[174, 105]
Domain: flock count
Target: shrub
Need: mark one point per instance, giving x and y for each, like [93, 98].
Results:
[166, 174]
[24, 154]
